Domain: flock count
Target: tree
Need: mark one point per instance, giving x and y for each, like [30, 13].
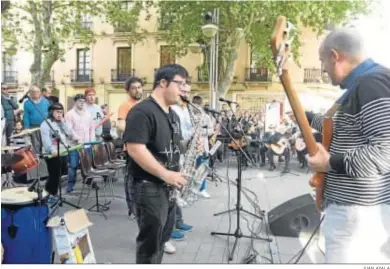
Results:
[182, 22]
[49, 28]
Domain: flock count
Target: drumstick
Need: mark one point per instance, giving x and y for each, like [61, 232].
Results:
[106, 118]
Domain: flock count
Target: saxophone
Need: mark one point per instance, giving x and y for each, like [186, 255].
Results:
[191, 170]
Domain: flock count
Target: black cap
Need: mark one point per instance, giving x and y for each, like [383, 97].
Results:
[78, 97]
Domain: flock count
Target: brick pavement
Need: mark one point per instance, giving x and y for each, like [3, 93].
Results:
[114, 239]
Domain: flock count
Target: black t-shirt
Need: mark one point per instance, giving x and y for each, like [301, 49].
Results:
[147, 123]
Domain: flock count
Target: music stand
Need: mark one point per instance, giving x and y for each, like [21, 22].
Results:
[238, 233]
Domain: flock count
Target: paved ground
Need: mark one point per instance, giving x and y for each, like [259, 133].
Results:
[114, 239]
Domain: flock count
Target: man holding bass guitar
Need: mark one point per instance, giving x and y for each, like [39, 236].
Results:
[352, 165]
[357, 181]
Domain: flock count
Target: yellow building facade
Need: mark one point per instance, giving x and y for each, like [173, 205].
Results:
[107, 63]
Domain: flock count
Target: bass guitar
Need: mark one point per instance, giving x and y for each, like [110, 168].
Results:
[280, 45]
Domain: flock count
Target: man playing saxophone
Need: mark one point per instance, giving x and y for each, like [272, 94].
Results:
[152, 138]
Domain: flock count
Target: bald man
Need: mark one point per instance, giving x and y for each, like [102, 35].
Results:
[357, 182]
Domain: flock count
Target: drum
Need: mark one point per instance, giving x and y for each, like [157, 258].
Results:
[24, 235]
[28, 162]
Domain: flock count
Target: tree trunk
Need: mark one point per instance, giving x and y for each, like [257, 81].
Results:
[40, 69]
[226, 74]
[35, 68]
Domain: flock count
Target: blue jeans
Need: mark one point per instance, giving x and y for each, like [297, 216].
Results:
[199, 161]
[72, 169]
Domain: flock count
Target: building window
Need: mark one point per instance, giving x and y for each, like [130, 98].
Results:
[257, 72]
[126, 5]
[9, 74]
[167, 55]
[165, 20]
[124, 26]
[86, 23]
[124, 68]
[83, 65]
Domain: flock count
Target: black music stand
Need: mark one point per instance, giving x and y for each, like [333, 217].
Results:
[238, 233]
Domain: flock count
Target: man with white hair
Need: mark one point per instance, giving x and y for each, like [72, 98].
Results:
[357, 182]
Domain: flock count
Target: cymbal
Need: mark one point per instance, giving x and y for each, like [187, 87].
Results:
[10, 148]
[25, 132]
[8, 159]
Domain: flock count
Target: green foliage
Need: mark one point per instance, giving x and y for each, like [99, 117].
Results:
[183, 21]
[125, 15]
[45, 28]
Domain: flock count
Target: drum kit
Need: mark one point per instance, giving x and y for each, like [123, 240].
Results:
[24, 209]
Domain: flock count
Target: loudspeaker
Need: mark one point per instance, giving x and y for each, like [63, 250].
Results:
[294, 216]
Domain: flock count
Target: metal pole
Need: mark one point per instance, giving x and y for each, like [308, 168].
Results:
[216, 45]
[213, 70]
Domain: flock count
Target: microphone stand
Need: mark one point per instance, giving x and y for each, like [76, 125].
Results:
[242, 133]
[37, 182]
[238, 233]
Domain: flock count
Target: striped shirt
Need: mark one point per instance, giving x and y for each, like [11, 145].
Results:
[360, 148]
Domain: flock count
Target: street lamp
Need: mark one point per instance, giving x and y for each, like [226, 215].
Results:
[210, 31]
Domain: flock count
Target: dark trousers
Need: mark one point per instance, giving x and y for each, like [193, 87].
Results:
[155, 218]
[301, 157]
[55, 170]
[9, 128]
[285, 154]
[129, 188]
[263, 150]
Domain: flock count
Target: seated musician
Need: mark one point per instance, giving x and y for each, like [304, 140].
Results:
[57, 165]
[301, 147]
[274, 138]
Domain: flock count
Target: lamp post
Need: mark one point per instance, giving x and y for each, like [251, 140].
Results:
[211, 31]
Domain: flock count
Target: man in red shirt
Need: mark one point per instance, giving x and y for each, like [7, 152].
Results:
[134, 88]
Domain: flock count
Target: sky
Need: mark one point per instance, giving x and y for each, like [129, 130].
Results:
[375, 29]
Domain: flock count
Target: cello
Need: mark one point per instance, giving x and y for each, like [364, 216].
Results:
[280, 45]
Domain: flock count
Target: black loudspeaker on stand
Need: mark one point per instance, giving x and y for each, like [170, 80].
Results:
[238, 233]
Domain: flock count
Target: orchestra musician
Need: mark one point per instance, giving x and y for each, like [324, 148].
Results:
[275, 144]
[49, 141]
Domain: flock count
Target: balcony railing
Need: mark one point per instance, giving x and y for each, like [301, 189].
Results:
[203, 76]
[81, 75]
[121, 75]
[122, 28]
[258, 74]
[315, 75]
[86, 25]
[10, 77]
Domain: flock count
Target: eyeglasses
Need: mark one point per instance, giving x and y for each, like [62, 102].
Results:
[181, 84]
